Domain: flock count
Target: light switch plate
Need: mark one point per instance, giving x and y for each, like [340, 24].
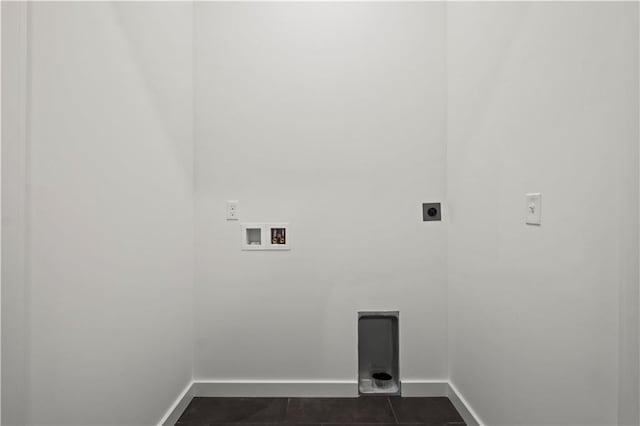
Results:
[534, 208]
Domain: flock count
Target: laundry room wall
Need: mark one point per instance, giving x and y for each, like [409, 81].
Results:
[331, 117]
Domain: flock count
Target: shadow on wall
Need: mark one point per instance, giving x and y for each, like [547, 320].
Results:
[168, 101]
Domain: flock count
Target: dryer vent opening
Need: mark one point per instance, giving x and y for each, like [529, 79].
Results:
[378, 370]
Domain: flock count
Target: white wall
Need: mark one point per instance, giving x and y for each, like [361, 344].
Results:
[0, 228]
[543, 97]
[333, 117]
[15, 307]
[110, 211]
[329, 116]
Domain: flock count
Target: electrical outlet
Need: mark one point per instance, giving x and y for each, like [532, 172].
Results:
[431, 212]
[534, 208]
[232, 210]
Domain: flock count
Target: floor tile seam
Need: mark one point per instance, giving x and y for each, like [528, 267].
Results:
[286, 410]
[392, 410]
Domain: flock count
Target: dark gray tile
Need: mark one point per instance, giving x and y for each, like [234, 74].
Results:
[194, 423]
[434, 410]
[365, 424]
[207, 411]
[340, 410]
[395, 424]
[205, 423]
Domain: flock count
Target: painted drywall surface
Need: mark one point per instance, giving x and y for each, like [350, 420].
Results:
[542, 98]
[111, 247]
[329, 116]
[14, 286]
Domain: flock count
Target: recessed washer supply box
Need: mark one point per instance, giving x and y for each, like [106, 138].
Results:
[265, 236]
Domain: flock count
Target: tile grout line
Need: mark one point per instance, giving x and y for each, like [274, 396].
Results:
[286, 411]
[392, 411]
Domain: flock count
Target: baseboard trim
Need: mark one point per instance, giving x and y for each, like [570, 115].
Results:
[466, 411]
[314, 388]
[178, 407]
[424, 388]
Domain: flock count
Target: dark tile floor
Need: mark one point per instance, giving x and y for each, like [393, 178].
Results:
[373, 411]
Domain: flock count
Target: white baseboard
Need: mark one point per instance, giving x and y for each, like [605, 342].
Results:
[315, 388]
[424, 388]
[468, 415]
[178, 407]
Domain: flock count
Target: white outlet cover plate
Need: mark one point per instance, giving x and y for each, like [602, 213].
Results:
[232, 210]
[534, 208]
